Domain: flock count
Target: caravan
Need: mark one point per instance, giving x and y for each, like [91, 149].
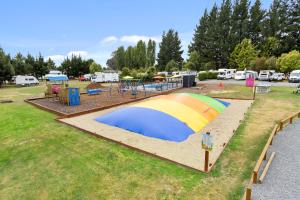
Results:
[25, 80]
[226, 73]
[106, 76]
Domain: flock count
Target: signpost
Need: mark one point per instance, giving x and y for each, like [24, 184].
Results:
[207, 146]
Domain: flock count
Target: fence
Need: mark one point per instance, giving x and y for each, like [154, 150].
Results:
[278, 127]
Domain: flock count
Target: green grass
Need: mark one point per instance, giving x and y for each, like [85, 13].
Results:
[41, 158]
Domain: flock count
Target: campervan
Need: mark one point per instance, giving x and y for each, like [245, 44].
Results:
[106, 76]
[240, 75]
[226, 73]
[294, 76]
[26, 80]
[266, 75]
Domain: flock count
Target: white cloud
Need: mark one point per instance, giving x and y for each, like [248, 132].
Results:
[56, 58]
[135, 38]
[109, 40]
[83, 54]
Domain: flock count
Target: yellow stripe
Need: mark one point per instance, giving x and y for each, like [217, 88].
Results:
[178, 110]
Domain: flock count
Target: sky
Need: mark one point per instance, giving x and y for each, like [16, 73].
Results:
[94, 28]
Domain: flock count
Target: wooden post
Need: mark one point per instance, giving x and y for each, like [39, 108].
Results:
[248, 193]
[254, 177]
[254, 92]
[299, 115]
[281, 126]
[206, 161]
[291, 120]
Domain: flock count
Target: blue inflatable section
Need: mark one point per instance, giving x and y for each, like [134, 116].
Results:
[223, 102]
[148, 122]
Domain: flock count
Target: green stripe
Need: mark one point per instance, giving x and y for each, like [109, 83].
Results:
[218, 106]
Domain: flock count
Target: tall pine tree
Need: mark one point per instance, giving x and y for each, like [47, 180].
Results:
[170, 49]
[255, 27]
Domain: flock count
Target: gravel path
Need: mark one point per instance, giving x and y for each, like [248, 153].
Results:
[283, 178]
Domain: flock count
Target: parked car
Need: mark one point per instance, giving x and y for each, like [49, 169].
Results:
[277, 77]
[294, 76]
[25, 80]
[82, 78]
[86, 77]
[265, 75]
[226, 73]
[240, 75]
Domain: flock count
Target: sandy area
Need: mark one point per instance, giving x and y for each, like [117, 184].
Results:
[188, 152]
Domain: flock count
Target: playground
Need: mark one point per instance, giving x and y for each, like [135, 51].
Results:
[98, 96]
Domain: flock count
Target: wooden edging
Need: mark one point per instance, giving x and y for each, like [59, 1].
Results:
[254, 178]
[128, 146]
[264, 173]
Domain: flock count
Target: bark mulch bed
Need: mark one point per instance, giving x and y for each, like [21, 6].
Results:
[89, 102]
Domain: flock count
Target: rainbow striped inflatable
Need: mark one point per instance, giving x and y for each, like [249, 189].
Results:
[169, 117]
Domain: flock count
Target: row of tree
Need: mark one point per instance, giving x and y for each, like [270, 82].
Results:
[20, 65]
[38, 66]
[272, 32]
[133, 57]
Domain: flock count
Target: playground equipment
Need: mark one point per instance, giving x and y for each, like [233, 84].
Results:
[57, 87]
[54, 84]
[96, 91]
[171, 117]
[128, 83]
[69, 96]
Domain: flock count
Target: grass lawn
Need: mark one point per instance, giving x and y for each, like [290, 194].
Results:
[44, 159]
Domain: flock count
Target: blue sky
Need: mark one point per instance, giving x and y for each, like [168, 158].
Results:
[91, 28]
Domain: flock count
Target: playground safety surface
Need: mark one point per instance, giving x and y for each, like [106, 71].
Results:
[188, 153]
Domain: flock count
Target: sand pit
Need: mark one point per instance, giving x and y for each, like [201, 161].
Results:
[188, 153]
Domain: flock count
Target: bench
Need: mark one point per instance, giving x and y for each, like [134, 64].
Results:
[93, 91]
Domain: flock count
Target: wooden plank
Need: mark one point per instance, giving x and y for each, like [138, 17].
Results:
[263, 154]
[261, 178]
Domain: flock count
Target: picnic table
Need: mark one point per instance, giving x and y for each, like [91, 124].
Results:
[263, 87]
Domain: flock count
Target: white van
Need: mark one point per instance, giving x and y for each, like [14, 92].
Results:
[265, 75]
[26, 80]
[294, 76]
[240, 75]
[226, 73]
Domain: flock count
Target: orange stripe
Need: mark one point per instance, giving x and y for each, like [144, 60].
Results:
[208, 112]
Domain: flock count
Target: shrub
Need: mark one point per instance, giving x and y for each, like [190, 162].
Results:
[202, 76]
[212, 75]
[207, 75]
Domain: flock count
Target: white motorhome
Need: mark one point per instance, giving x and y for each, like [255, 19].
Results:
[294, 76]
[26, 80]
[226, 73]
[181, 73]
[240, 75]
[106, 76]
[265, 75]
